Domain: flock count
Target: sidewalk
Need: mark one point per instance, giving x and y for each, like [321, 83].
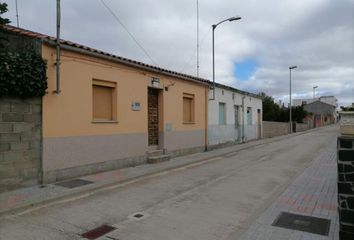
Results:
[37, 196]
[313, 193]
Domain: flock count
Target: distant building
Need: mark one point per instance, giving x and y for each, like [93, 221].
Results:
[331, 100]
[320, 113]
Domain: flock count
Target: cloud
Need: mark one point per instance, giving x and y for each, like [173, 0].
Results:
[316, 35]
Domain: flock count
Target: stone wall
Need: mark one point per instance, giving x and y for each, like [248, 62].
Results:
[346, 186]
[20, 142]
[346, 176]
[272, 129]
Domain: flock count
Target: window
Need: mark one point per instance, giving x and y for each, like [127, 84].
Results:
[222, 113]
[188, 108]
[104, 100]
[249, 116]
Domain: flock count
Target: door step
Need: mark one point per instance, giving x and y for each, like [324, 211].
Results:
[154, 153]
[157, 155]
[158, 158]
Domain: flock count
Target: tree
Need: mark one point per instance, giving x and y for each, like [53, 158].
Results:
[3, 9]
[3, 21]
[346, 109]
[299, 114]
[271, 110]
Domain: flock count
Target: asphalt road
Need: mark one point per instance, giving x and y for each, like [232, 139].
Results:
[215, 200]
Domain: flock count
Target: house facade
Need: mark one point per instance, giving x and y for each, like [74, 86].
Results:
[103, 112]
[110, 114]
[233, 116]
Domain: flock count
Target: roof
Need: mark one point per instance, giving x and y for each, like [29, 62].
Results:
[237, 90]
[73, 45]
[320, 103]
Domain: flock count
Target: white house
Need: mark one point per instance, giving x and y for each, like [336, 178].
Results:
[233, 116]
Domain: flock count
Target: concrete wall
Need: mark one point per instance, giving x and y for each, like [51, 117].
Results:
[272, 129]
[231, 132]
[20, 142]
[72, 139]
[301, 127]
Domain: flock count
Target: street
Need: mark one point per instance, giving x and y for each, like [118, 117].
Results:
[218, 199]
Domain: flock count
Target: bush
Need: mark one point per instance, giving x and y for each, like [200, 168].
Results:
[22, 74]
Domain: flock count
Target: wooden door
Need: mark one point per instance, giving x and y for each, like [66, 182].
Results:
[153, 116]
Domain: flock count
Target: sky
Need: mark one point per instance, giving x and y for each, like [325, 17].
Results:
[252, 54]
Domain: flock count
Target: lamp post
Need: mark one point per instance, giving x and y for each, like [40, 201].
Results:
[314, 91]
[213, 28]
[290, 117]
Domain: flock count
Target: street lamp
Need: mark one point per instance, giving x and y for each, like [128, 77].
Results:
[291, 122]
[213, 27]
[314, 91]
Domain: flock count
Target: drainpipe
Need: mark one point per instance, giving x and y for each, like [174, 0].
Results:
[206, 116]
[57, 62]
[243, 120]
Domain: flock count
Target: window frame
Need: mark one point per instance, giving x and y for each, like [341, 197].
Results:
[237, 115]
[190, 97]
[224, 113]
[249, 116]
[113, 87]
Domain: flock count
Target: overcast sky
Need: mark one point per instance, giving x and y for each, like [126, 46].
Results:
[252, 54]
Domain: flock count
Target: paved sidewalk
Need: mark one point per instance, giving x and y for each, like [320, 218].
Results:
[313, 193]
[38, 196]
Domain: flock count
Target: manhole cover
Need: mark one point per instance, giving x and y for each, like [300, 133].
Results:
[73, 183]
[303, 223]
[98, 232]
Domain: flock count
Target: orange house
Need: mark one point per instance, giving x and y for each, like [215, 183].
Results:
[112, 112]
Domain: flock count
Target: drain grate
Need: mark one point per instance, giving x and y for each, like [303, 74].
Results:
[74, 183]
[98, 232]
[138, 215]
[303, 223]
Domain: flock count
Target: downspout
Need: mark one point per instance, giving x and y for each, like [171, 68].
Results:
[243, 120]
[57, 62]
[206, 117]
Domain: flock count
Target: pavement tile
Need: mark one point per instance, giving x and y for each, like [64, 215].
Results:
[312, 193]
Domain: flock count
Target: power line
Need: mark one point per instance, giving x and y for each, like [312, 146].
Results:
[126, 29]
[188, 63]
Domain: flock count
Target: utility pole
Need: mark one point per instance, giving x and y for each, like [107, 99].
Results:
[290, 107]
[197, 38]
[57, 62]
[18, 21]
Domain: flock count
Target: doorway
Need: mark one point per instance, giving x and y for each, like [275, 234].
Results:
[153, 116]
[259, 124]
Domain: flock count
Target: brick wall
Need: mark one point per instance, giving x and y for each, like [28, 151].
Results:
[272, 129]
[20, 142]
